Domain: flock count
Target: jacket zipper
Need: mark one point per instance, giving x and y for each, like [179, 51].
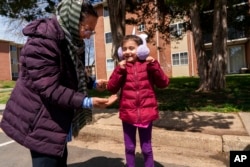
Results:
[137, 95]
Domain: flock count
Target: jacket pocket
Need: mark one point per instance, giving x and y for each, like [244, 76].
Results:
[36, 118]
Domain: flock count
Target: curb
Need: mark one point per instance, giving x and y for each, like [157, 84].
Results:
[209, 143]
[196, 141]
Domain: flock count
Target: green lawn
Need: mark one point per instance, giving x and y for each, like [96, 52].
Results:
[181, 95]
[4, 95]
[7, 84]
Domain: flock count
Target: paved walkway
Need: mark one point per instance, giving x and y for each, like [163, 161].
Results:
[208, 131]
[2, 107]
[5, 89]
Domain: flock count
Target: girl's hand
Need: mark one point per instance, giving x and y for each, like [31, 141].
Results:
[112, 99]
[101, 84]
[150, 59]
[122, 64]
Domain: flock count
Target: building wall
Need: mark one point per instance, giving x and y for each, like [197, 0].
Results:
[9, 58]
[178, 46]
[99, 46]
[108, 46]
[5, 61]
[163, 55]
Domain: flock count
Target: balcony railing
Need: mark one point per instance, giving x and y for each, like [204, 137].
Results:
[232, 34]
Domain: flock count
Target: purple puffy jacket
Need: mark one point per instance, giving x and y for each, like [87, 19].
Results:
[138, 102]
[39, 112]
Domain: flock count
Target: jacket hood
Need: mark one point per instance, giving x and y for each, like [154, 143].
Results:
[44, 28]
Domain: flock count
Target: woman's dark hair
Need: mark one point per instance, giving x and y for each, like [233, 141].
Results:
[87, 9]
[135, 38]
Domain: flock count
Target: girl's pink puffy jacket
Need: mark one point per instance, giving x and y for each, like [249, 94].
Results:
[138, 102]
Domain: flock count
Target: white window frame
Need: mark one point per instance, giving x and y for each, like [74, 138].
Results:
[180, 60]
[176, 29]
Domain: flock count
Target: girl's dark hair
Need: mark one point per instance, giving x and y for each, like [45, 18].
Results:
[87, 9]
[135, 38]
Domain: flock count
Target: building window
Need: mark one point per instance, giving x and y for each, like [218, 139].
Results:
[233, 33]
[14, 74]
[105, 11]
[141, 27]
[14, 60]
[108, 37]
[236, 58]
[176, 29]
[180, 58]
[12, 48]
[110, 65]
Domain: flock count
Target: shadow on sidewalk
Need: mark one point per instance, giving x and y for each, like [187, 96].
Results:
[198, 122]
[109, 162]
[201, 122]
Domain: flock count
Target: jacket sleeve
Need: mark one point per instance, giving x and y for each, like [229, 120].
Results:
[116, 80]
[157, 75]
[42, 61]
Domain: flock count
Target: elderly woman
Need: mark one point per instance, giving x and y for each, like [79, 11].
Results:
[52, 84]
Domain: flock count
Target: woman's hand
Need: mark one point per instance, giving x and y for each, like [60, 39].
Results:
[104, 102]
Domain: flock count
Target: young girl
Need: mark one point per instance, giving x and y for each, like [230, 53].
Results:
[136, 79]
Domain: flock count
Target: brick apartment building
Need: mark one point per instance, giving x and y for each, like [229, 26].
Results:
[177, 58]
[9, 54]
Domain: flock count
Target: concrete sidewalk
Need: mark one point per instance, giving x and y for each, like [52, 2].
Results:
[207, 131]
[2, 107]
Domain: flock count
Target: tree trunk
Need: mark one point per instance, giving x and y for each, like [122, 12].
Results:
[218, 63]
[198, 44]
[117, 23]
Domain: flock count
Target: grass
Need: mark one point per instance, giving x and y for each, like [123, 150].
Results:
[7, 84]
[181, 95]
[5, 94]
